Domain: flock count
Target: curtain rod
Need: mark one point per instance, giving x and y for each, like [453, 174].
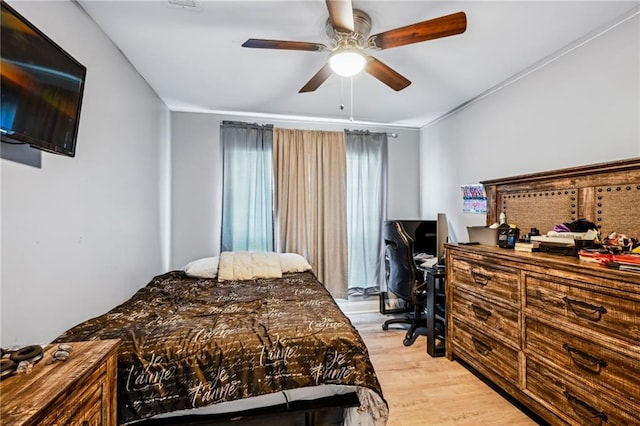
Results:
[233, 123]
[390, 135]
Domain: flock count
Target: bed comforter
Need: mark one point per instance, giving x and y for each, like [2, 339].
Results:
[189, 342]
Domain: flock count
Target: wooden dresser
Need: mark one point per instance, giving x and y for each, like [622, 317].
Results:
[78, 391]
[560, 335]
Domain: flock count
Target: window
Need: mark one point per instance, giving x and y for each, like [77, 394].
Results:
[247, 188]
[248, 209]
[366, 201]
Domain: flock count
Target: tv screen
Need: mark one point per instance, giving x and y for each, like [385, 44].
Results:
[41, 88]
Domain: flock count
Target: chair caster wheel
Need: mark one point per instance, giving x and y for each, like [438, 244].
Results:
[407, 342]
[385, 327]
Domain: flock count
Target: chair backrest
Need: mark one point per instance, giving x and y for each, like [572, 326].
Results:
[402, 276]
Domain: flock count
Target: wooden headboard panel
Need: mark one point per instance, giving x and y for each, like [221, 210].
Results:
[607, 194]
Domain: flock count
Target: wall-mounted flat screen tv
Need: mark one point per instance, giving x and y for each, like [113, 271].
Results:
[41, 88]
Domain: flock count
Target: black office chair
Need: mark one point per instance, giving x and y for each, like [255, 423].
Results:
[404, 280]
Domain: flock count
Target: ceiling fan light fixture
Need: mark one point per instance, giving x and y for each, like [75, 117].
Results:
[347, 62]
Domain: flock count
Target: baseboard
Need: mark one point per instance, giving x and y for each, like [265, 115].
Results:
[370, 304]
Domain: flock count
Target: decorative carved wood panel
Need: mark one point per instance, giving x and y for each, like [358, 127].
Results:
[540, 209]
[617, 209]
[607, 194]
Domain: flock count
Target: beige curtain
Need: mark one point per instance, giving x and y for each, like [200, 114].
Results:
[309, 202]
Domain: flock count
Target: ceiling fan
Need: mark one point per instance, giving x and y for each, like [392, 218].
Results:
[349, 30]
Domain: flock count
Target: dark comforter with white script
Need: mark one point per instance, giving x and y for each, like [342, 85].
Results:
[189, 342]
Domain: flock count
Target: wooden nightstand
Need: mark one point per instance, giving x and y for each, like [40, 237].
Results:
[78, 391]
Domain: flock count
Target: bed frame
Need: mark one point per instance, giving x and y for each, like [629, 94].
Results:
[322, 411]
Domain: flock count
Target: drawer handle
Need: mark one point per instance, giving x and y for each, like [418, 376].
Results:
[480, 312]
[480, 279]
[578, 307]
[481, 347]
[583, 409]
[584, 360]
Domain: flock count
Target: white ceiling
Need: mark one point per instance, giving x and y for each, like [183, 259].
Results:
[194, 60]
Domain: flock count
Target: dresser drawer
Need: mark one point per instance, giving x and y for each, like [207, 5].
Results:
[576, 404]
[83, 412]
[497, 321]
[92, 413]
[82, 408]
[593, 363]
[572, 302]
[494, 355]
[500, 284]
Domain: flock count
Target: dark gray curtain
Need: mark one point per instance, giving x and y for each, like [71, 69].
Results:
[247, 186]
[366, 208]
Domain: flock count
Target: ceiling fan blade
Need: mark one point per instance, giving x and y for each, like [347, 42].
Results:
[259, 43]
[386, 74]
[341, 14]
[319, 78]
[444, 26]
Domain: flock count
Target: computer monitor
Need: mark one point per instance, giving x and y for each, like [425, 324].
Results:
[443, 234]
[429, 236]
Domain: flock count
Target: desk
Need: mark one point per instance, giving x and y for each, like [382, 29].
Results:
[435, 310]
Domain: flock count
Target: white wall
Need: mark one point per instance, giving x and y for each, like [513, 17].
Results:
[80, 235]
[196, 178]
[583, 108]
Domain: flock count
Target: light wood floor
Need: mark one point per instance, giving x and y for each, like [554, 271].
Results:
[422, 390]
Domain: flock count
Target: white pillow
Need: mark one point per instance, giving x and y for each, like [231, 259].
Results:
[206, 267]
[293, 262]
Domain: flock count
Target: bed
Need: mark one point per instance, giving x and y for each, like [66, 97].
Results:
[202, 345]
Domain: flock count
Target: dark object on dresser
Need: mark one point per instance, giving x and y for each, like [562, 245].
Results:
[404, 280]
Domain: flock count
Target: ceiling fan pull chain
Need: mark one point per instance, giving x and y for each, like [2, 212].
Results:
[341, 93]
[351, 102]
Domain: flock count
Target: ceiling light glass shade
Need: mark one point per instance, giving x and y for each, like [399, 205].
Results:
[347, 62]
